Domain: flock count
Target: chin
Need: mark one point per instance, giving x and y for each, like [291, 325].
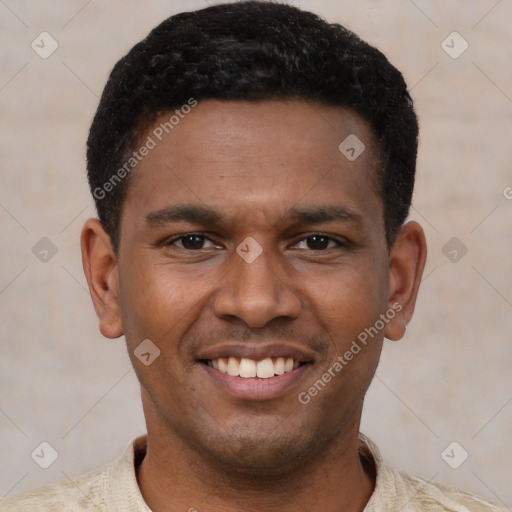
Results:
[260, 447]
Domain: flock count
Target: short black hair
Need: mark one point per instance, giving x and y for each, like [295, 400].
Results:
[251, 51]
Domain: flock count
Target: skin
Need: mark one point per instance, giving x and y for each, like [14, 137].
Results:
[253, 163]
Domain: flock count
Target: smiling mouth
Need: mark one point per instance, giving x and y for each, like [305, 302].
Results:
[253, 369]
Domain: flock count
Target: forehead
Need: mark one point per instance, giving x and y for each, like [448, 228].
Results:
[256, 157]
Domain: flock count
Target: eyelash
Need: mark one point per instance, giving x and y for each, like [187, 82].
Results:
[339, 243]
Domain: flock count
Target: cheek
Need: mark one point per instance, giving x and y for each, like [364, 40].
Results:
[160, 302]
[348, 299]
[347, 308]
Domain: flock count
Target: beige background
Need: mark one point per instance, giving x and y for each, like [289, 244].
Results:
[448, 380]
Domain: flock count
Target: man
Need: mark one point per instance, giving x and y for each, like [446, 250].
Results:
[252, 167]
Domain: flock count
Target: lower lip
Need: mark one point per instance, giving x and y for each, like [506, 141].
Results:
[255, 388]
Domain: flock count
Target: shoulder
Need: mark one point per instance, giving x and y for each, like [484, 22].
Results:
[85, 492]
[109, 487]
[425, 495]
[398, 490]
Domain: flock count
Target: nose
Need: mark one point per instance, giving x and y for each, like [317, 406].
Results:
[256, 292]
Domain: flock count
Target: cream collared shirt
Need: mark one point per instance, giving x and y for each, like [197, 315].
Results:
[113, 488]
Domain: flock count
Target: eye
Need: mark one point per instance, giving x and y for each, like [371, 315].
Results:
[319, 242]
[191, 242]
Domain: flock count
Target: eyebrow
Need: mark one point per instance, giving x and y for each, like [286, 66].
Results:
[324, 214]
[187, 213]
[207, 216]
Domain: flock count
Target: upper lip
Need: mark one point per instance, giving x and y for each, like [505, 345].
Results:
[257, 352]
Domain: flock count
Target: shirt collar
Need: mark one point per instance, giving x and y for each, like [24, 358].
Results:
[125, 493]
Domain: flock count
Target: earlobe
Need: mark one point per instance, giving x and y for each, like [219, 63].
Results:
[100, 268]
[406, 264]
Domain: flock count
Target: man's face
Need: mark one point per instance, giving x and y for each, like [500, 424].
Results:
[271, 171]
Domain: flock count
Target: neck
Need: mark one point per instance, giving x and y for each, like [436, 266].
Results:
[332, 479]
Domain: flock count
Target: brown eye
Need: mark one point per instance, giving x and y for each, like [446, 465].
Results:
[318, 242]
[192, 241]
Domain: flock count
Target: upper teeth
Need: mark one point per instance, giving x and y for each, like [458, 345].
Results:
[249, 368]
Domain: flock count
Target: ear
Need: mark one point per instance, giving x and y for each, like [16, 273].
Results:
[100, 266]
[406, 264]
